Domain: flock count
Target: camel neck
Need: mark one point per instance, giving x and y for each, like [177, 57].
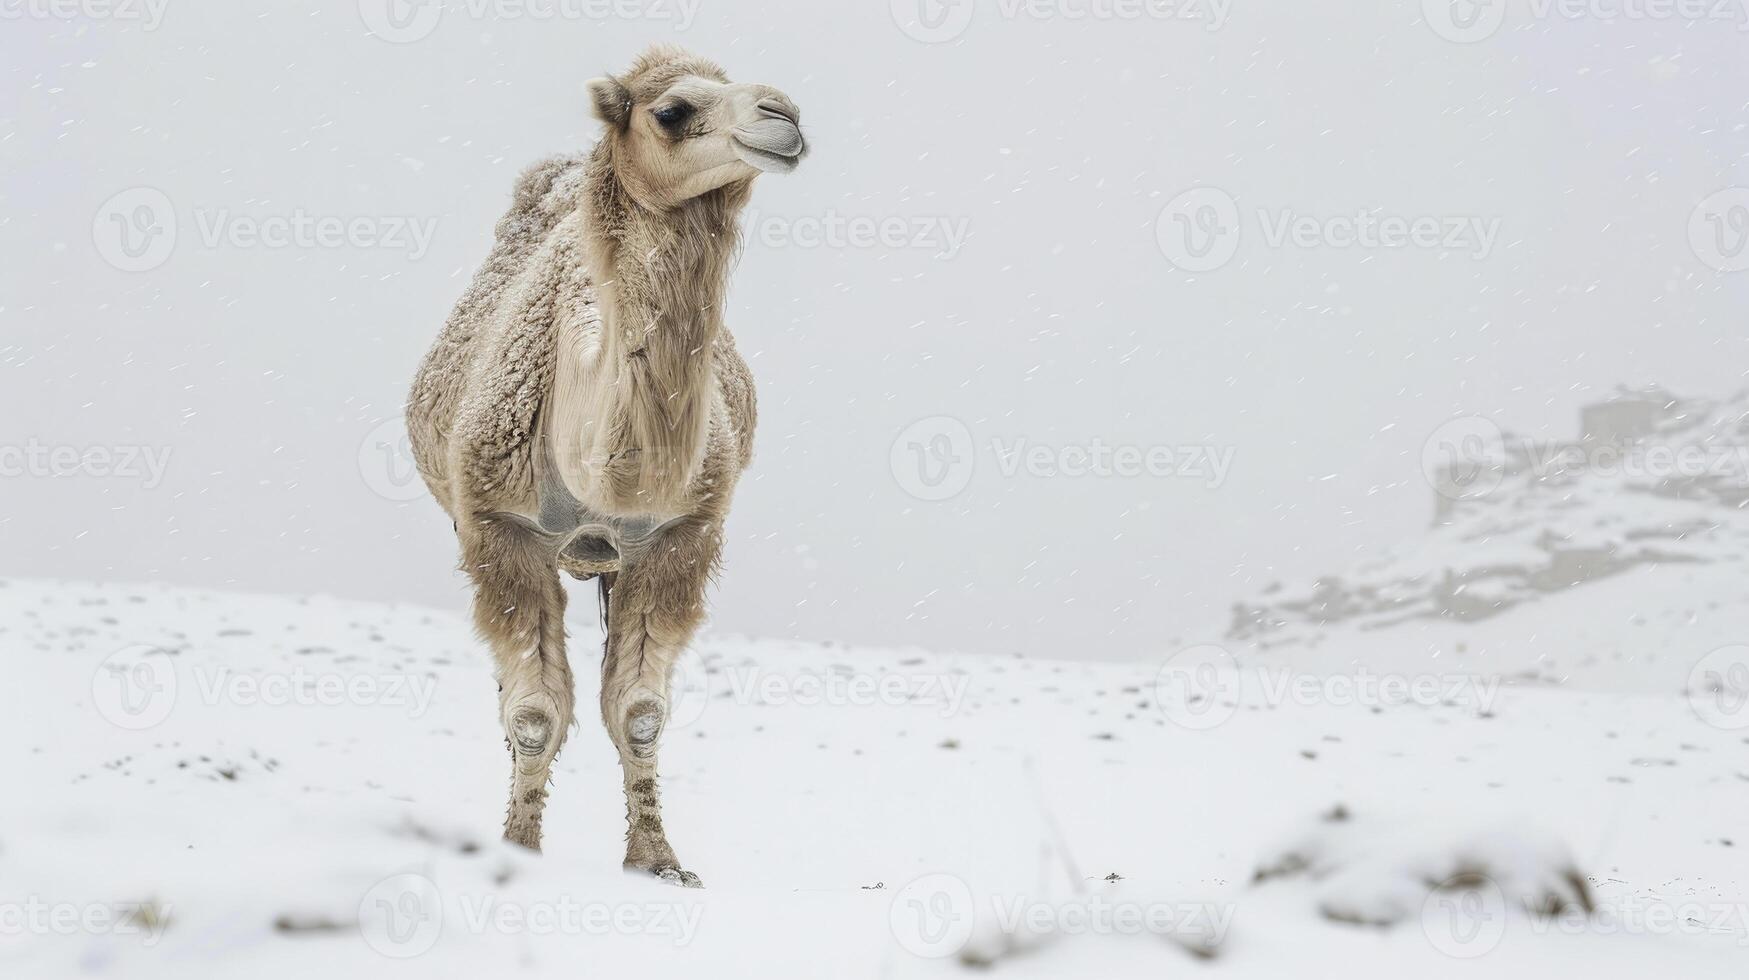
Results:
[662, 276]
[664, 304]
[636, 409]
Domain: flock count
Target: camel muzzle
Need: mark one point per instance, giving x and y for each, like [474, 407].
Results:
[772, 143]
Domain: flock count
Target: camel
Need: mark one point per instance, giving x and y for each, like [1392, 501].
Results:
[584, 410]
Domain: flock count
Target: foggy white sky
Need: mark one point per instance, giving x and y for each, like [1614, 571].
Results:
[1051, 144]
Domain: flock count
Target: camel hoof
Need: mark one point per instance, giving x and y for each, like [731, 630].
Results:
[678, 877]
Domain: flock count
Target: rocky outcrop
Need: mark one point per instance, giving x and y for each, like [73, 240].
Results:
[1651, 479]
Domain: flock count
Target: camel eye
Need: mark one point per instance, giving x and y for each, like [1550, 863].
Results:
[673, 115]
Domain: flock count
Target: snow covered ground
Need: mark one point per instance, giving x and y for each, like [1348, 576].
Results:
[285, 786]
[1516, 745]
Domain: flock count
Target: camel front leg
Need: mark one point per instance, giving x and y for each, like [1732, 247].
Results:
[654, 606]
[519, 607]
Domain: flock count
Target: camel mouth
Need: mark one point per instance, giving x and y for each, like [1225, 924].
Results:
[764, 160]
[774, 144]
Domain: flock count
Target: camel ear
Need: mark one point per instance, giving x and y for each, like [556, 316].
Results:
[611, 100]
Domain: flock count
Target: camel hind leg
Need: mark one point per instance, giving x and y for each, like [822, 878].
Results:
[519, 608]
[653, 607]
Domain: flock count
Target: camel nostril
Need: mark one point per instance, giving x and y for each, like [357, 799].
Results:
[782, 110]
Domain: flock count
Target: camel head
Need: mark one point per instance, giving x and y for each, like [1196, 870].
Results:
[677, 128]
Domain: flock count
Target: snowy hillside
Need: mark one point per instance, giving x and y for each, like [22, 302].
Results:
[281, 787]
[1609, 561]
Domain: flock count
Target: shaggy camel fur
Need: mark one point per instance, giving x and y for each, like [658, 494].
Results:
[584, 410]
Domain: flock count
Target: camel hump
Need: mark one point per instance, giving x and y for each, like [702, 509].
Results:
[545, 192]
[517, 353]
